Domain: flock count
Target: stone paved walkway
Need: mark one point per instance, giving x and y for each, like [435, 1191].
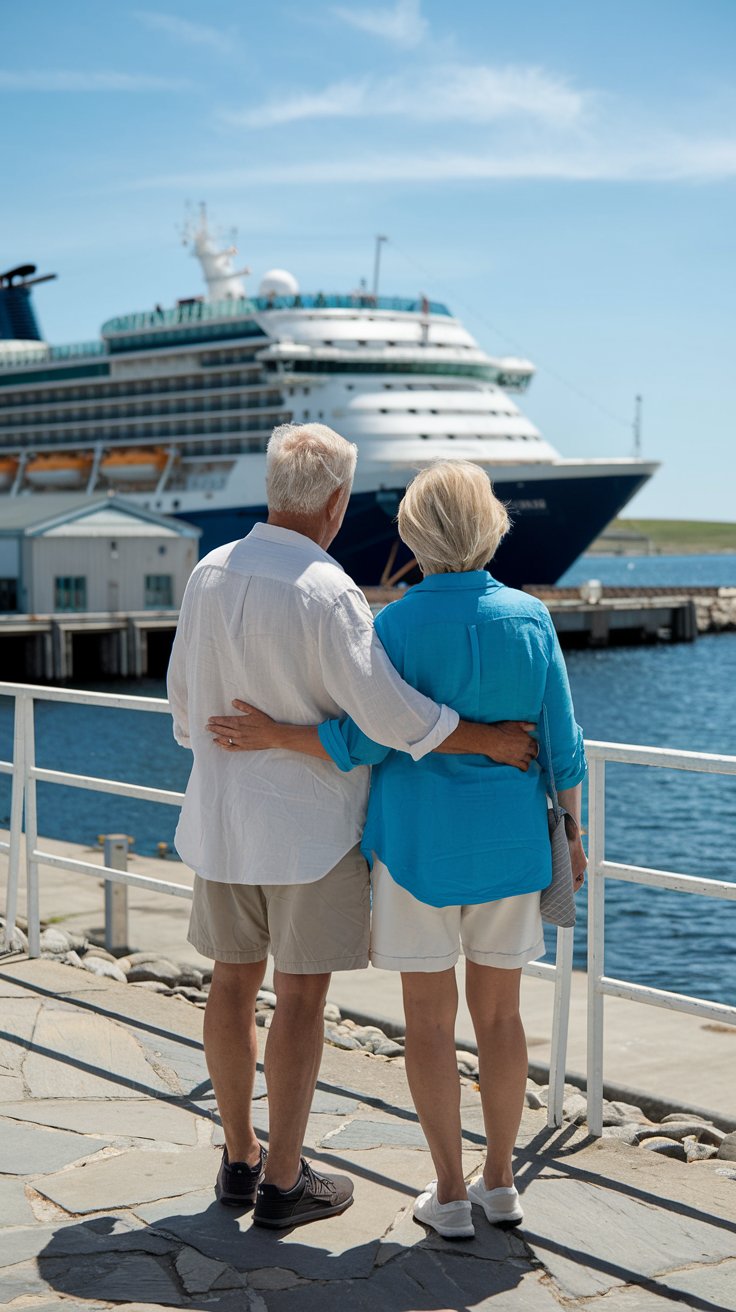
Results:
[109, 1148]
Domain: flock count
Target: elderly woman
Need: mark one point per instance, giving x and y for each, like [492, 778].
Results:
[459, 845]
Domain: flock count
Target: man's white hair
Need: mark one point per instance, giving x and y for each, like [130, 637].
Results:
[305, 463]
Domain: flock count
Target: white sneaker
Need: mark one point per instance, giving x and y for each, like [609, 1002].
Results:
[451, 1220]
[501, 1206]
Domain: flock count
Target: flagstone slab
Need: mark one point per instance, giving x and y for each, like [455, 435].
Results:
[71, 1239]
[24, 1278]
[110, 1277]
[30, 1150]
[436, 1282]
[179, 1059]
[15, 1208]
[130, 1178]
[338, 1104]
[129, 1118]
[712, 1285]
[375, 1134]
[11, 1055]
[11, 1087]
[83, 1055]
[613, 1238]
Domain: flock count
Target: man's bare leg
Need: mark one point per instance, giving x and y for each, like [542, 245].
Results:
[293, 1055]
[230, 1049]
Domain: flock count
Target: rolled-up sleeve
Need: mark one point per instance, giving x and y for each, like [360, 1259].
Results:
[360, 677]
[566, 736]
[349, 746]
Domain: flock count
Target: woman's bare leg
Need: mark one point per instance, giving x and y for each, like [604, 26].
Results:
[430, 1006]
[493, 1000]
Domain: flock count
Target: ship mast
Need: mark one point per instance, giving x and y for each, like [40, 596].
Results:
[224, 283]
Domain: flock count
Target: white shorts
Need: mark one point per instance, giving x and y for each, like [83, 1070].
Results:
[410, 935]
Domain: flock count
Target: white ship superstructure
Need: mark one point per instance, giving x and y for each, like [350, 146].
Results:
[174, 408]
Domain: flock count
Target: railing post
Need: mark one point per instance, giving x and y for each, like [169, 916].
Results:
[32, 899]
[560, 1024]
[16, 817]
[116, 895]
[596, 941]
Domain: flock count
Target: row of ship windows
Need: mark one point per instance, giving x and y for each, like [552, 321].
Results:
[379, 345]
[474, 369]
[122, 391]
[150, 432]
[494, 414]
[205, 405]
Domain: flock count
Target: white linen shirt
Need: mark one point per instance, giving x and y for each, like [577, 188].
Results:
[273, 620]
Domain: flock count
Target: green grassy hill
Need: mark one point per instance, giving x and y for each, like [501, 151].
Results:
[677, 535]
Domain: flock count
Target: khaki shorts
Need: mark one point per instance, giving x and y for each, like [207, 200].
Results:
[412, 936]
[311, 929]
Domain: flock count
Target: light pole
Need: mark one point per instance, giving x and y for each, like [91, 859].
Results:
[637, 427]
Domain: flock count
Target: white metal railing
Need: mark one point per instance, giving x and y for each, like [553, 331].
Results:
[26, 775]
[601, 985]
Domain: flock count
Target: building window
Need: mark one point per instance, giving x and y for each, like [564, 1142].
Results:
[8, 594]
[70, 592]
[159, 592]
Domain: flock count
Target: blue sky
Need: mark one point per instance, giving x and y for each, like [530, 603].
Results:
[563, 175]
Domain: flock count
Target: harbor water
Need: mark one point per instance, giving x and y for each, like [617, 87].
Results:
[677, 696]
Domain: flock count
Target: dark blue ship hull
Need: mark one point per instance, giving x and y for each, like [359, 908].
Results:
[554, 520]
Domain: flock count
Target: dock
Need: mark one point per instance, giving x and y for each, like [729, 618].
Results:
[592, 615]
[72, 645]
[55, 648]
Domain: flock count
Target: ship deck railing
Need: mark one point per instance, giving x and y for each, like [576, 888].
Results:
[26, 775]
[198, 311]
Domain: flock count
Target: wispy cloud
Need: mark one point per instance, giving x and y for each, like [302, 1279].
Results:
[191, 34]
[471, 93]
[67, 80]
[658, 160]
[401, 24]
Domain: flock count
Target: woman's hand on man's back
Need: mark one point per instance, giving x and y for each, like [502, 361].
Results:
[509, 742]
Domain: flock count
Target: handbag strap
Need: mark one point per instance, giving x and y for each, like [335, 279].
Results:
[550, 768]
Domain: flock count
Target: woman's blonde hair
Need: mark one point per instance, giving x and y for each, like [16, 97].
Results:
[450, 518]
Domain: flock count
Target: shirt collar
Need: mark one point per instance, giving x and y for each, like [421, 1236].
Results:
[288, 537]
[476, 579]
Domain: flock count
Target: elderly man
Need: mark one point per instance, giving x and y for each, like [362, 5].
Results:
[273, 836]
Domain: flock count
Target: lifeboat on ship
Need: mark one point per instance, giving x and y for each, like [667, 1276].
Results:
[8, 471]
[58, 471]
[141, 465]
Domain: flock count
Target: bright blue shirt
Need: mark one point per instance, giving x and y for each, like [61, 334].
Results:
[459, 830]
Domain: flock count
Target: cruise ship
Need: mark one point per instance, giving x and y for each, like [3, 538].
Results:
[173, 408]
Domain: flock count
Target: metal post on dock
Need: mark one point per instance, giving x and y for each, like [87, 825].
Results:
[596, 941]
[116, 895]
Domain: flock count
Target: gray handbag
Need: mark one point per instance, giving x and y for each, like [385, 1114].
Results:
[557, 902]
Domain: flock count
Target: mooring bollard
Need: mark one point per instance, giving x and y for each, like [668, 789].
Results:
[116, 895]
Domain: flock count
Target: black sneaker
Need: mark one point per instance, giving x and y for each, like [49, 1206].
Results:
[237, 1181]
[313, 1196]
